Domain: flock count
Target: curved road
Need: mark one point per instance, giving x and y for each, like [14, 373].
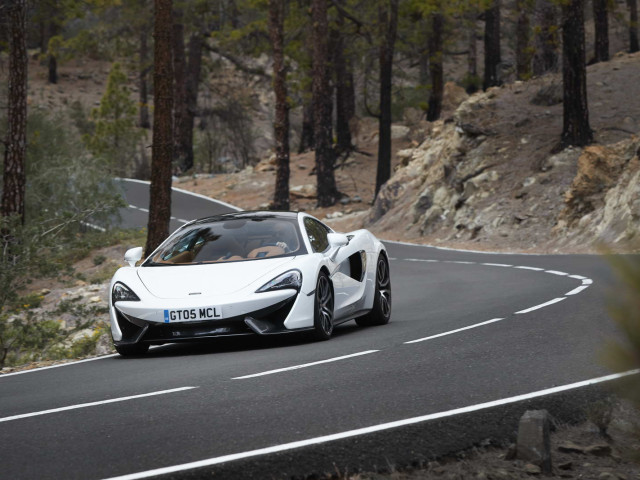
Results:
[467, 328]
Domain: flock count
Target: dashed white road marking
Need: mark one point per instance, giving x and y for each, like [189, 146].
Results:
[578, 277]
[555, 272]
[496, 264]
[75, 362]
[460, 262]
[542, 305]
[535, 269]
[305, 365]
[587, 281]
[427, 260]
[577, 290]
[92, 404]
[372, 429]
[475, 325]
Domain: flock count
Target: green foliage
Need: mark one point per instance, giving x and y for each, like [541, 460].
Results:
[116, 135]
[471, 83]
[28, 336]
[408, 97]
[625, 309]
[65, 184]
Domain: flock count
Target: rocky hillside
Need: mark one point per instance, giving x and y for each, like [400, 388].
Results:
[490, 176]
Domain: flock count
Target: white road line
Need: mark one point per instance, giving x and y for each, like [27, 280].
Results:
[555, 272]
[448, 249]
[578, 277]
[535, 269]
[577, 290]
[587, 281]
[493, 320]
[92, 404]
[459, 262]
[428, 260]
[550, 302]
[304, 365]
[496, 265]
[57, 366]
[372, 429]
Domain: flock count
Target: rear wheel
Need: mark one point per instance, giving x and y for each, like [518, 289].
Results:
[132, 349]
[381, 311]
[323, 308]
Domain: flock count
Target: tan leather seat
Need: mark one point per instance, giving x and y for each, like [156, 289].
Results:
[266, 251]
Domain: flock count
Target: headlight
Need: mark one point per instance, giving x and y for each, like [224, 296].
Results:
[291, 279]
[123, 293]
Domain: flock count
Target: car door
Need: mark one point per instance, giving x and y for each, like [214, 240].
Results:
[347, 267]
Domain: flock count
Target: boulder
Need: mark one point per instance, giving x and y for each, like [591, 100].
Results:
[303, 191]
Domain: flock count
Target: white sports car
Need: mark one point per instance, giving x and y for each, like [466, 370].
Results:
[249, 273]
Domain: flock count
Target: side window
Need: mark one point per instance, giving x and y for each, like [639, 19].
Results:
[317, 234]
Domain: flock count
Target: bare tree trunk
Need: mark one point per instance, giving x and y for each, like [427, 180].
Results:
[144, 69]
[344, 91]
[388, 25]
[633, 26]
[435, 65]
[179, 93]
[194, 67]
[523, 51]
[281, 123]
[545, 57]
[472, 59]
[492, 56]
[162, 148]
[13, 192]
[307, 141]
[601, 24]
[325, 155]
[576, 130]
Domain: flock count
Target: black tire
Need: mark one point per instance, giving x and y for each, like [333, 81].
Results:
[132, 350]
[323, 308]
[380, 314]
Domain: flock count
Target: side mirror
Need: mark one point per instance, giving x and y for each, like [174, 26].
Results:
[337, 240]
[133, 256]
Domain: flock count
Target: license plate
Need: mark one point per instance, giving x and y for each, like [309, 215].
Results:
[192, 314]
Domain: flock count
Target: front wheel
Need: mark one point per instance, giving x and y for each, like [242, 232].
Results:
[132, 349]
[323, 308]
[380, 314]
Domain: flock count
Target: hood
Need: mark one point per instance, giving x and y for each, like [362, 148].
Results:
[179, 281]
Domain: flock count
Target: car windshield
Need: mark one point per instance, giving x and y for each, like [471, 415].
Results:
[230, 240]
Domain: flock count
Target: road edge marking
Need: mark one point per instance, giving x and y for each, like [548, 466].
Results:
[451, 332]
[366, 430]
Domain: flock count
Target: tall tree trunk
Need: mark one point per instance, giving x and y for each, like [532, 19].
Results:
[344, 91]
[601, 24]
[281, 123]
[325, 155]
[633, 26]
[523, 51]
[142, 79]
[576, 130]
[13, 192]
[162, 148]
[307, 141]
[194, 67]
[492, 56]
[472, 58]
[388, 17]
[179, 93]
[545, 57]
[435, 65]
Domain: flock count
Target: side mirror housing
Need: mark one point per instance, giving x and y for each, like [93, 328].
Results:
[337, 240]
[133, 256]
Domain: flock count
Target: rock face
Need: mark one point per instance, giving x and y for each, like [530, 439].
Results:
[534, 444]
[487, 175]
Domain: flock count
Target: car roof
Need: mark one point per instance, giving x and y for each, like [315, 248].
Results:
[246, 215]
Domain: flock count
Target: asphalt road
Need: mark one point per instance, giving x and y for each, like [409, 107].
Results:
[504, 354]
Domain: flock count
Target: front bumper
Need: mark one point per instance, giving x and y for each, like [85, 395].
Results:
[264, 314]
